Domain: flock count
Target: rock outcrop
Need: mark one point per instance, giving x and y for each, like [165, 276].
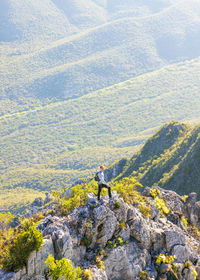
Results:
[127, 242]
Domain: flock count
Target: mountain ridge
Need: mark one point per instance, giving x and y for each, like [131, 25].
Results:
[166, 168]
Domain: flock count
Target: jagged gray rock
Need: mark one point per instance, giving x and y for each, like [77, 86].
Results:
[80, 235]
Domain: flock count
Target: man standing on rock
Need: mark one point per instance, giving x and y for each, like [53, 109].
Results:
[102, 183]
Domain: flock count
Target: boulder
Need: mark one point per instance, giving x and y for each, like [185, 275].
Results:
[98, 274]
[140, 231]
[125, 262]
[157, 238]
[174, 238]
[182, 253]
[105, 225]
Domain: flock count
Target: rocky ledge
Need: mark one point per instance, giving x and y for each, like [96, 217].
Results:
[128, 244]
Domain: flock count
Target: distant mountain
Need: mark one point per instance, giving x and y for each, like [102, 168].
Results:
[65, 49]
[53, 145]
[86, 82]
[170, 159]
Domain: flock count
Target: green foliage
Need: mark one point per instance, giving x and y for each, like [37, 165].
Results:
[117, 204]
[5, 220]
[28, 240]
[111, 244]
[84, 241]
[100, 263]
[188, 264]
[88, 224]
[62, 268]
[166, 157]
[127, 189]
[122, 225]
[184, 198]
[77, 198]
[87, 274]
[185, 221]
[174, 268]
[144, 275]
[47, 158]
[145, 210]
[102, 253]
[194, 273]
[120, 241]
[160, 205]
[165, 259]
[154, 192]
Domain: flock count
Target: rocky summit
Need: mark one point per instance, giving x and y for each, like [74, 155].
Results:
[117, 241]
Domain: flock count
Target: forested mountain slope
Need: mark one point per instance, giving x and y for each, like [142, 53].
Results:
[170, 159]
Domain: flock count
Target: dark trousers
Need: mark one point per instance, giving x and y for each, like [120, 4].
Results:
[100, 188]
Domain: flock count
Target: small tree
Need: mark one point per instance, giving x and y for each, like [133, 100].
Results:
[63, 268]
[19, 251]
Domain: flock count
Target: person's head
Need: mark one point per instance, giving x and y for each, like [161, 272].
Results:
[102, 168]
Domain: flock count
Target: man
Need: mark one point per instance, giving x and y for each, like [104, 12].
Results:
[102, 183]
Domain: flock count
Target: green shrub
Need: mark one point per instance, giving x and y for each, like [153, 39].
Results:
[87, 274]
[26, 241]
[102, 253]
[119, 241]
[185, 221]
[5, 220]
[110, 244]
[127, 188]
[184, 198]
[100, 263]
[145, 210]
[188, 264]
[117, 204]
[77, 198]
[122, 225]
[174, 268]
[194, 273]
[165, 259]
[62, 268]
[160, 205]
[84, 241]
[154, 192]
[144, 275]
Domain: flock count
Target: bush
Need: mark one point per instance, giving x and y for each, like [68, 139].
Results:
[160, 205]
[111, 244]
[62, 268]
[120, 241]
[154, 192]
[77, 198]
[26, 241]
[145, 210]
[185, 221]
[5, 220]
[165, 259]
[122, 225]
[100, 263]
[144, 275]
[84, 241]
[117, 204]
[127, 189]
[87, 274]
[184, 198]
